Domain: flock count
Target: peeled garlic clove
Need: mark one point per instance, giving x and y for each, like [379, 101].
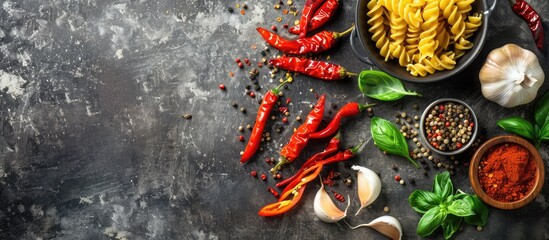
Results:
[386, 225]
[369, 186]
[325, 208]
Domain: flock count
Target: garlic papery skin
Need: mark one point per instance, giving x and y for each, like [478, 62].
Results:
[369, 186]
[386, 225]
[325, 208]
[511, 76]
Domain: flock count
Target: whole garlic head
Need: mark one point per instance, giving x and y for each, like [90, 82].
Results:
[511, 76]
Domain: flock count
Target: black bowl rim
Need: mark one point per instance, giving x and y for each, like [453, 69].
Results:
[463, 62]
[422, 128]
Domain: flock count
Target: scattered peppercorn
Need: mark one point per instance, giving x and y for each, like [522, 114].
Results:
[401, 182]
[386, 209]
[222, 86]
[241, 138]
[235, 105]
[230, 9]
[253, 173]
[273, 191]
[187, 116]
[273, 27]
[263, 177]
[397, 178]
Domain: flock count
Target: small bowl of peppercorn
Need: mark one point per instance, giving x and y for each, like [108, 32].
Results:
[507, 172]
[448, 126]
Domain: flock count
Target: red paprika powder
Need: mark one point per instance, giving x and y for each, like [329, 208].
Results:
[507, 172]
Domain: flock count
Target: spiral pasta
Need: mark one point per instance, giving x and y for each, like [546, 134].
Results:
[424, 36]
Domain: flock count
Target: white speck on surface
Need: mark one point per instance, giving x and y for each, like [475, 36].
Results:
[89, 112]
[12, 83]
[24, 58]
[119, 54]
[85, 200]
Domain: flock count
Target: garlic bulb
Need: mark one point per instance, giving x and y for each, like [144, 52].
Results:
[369, 186]
[386, 225]
[511, 76]
[325, 208]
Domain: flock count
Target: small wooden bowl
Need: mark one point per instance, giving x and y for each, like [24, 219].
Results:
[474, 167]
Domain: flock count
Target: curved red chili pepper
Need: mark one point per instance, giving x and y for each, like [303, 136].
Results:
[267, 104]
[523, 9]
[308, 10]
[321, 16]
[338, 157]
[280, 207]
[300, 137]
[318, 43]
[331, 148]
[348, 110]
[313, 68]
[295, 189]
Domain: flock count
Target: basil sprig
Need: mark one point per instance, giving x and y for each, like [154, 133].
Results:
[382, 86]
[538, 131]
[442, 208]
[389, 139]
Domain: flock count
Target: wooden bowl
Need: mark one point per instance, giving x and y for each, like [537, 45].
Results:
[477, 158]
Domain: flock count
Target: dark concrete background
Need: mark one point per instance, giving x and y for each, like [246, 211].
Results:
[93, 145]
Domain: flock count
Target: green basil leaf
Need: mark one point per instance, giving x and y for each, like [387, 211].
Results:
[461, 208]
[421, 201]
[388, 138]
[450, 225]
[517, 125]
[481, 211]
[443, 186]
[382, 86]
[430, 221]
[544, 132]
[541, 110]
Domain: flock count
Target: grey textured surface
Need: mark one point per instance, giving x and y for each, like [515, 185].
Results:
[93, 146]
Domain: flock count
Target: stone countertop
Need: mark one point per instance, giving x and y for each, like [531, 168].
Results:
[93, 144]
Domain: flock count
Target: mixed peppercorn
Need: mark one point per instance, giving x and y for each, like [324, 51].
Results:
[449, 126]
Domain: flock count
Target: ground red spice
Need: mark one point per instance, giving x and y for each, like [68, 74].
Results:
[507, 172]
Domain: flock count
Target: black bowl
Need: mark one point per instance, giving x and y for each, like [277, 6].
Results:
[392, 67]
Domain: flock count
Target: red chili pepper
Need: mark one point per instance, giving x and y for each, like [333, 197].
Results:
[313, 68]
[524, 10]
[308, 11]
[338, 196]
[331, 148]
[283, 206]
[295, 190]
[348, 110]
[338, 157]
[300, 137]
[267, 104]
[321, 16]
[318, 43]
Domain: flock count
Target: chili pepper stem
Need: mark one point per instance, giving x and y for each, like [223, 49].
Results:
[351, 74]
[362, 107]
[344, 33]
[276, 90]
[278, 166]
[356, 149]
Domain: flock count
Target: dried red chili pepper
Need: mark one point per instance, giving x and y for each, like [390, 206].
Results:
[331, 148]
[338, 196]
[318, 43]
[309, 9]
[267, 104]
[348, 110]
[317, 69]
[321, 16]
[300, 137]
[295, 190]
[524, 10]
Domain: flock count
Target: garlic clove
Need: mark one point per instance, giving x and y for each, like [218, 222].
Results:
[386, 225]
[325, 209]
[369, 186]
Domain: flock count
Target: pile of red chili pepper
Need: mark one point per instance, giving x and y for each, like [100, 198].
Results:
[315, 14]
